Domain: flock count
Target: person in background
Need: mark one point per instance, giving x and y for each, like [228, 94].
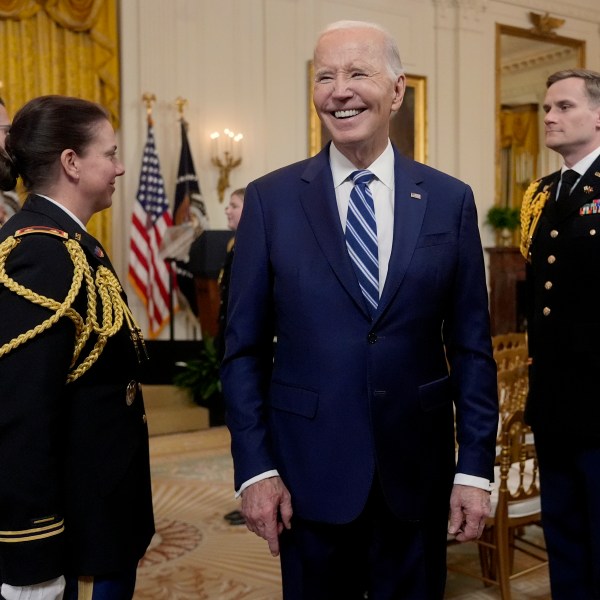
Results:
[368, 269]
[233, 211]
[561, 241]
[9, 202]
[75, 489]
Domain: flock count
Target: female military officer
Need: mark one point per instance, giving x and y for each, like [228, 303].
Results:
[75, 496]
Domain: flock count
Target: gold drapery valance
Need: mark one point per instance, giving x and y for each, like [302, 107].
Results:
[65, 47]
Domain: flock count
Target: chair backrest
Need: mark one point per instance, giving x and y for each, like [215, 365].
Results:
[505, 341]
[508, 358]
[519, 479]
[513, 385]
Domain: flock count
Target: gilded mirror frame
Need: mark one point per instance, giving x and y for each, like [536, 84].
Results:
[548, 38]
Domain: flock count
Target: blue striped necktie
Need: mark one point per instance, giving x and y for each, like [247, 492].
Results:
[361, 237]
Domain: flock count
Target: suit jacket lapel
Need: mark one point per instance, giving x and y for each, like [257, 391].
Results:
[320, 206]
[410, 203]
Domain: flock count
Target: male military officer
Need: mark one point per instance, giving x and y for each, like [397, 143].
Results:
[561, 240]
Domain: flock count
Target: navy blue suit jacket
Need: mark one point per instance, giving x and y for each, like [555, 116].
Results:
[344, 396]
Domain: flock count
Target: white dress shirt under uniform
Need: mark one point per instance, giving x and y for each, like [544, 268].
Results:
[580, 167]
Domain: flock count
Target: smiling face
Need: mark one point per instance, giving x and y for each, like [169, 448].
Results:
[98, 168]
[572, 120]
[355, 92]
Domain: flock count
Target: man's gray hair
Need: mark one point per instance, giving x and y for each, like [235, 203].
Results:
[392, 53]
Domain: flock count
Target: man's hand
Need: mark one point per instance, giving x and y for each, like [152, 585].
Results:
[469, 508]
[267, 508]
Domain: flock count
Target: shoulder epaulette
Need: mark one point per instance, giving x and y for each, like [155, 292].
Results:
[42, 229]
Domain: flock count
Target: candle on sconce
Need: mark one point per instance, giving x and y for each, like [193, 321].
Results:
[214, 144]
[230, 148]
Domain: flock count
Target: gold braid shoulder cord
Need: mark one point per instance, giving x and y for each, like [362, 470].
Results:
[531, 210]
[105, 286]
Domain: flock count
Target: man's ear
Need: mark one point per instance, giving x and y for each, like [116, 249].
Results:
[70, 163]
[399, 89]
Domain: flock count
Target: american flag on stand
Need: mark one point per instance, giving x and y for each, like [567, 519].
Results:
[148, 273]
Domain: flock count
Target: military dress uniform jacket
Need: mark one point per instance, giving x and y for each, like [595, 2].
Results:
[564, 315]
[75, 493]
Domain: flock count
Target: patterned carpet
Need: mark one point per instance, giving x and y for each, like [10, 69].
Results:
[197, 555]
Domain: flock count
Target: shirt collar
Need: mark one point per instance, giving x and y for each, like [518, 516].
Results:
[584, 164]
[65, 209]
[382, 167]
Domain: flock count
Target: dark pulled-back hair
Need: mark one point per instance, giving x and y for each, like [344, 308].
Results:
[39, 133]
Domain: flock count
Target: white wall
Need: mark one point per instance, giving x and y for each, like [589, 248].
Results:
[242, 64]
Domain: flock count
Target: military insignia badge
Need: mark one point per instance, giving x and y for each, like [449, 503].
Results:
[591, 208]
[588, 189]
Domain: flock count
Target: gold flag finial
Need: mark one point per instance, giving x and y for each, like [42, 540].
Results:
[180, 103]
[148, 99]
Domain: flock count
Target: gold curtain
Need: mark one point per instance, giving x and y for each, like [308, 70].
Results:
[520, 149]
[65, 47]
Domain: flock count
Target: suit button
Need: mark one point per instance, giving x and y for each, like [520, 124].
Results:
[551, 259]
[553, 233]
[546, 311]
[132, 388]
[372, 338]
[144, 419]
[592, 232]
[548, 285]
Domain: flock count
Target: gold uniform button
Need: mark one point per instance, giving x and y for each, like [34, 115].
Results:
[548, 285]
[132, 389]
[553, 233]
[592, 232]
[144, 419]
[551, 259]
[546, 311]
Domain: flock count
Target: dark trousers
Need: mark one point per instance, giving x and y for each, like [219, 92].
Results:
[570, 487]
[119, 586]
[376, 555]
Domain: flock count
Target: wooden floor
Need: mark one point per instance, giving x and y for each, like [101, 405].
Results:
[197, 555]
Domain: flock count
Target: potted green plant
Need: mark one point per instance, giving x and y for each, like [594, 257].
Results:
[505, 220]
[200, 376]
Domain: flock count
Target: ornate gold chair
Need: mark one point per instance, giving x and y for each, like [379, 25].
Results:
[515, 506]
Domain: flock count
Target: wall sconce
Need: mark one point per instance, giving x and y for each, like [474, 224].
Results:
[225, 154]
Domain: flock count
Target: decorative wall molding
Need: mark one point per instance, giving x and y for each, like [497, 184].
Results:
[558, 7]
[536, 60]
[462, 13]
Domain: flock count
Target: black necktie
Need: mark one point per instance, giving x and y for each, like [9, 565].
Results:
[567, 181]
